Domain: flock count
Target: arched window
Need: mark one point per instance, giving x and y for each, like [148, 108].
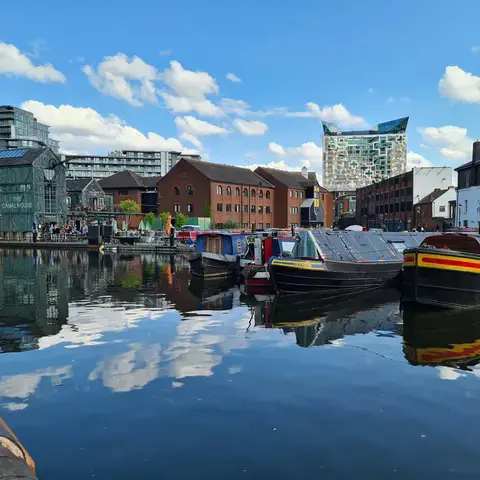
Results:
[237, 192]
[219, 190]
[189, 190]
[260, 194]
[176, 191]
[228, 191]
[245, 192]
[253, 194]
[267, 194]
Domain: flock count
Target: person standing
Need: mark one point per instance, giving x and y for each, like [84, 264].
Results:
[34, 232]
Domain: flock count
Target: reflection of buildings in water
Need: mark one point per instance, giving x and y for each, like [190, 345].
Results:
[445, 339]
[15, 390]
[33, 297]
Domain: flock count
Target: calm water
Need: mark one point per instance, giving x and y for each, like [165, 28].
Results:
[113, 367]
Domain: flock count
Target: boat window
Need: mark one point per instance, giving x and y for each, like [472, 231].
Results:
[458, 243]
[218, 245]
[287, 245]
[399, 246]
[304, 246]
[214, 245]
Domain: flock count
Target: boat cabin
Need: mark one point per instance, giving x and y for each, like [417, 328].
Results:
[457, 242]
[223, 243]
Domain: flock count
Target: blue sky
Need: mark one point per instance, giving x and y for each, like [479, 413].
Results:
[105, 75]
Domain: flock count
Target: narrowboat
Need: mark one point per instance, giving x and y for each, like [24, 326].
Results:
[451, 339]
[443, 271]
[335, 263]
[217, 254]
[255, 273]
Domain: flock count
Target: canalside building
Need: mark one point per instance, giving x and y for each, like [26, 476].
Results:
[300, 200]
[229, 195]
[393, 203]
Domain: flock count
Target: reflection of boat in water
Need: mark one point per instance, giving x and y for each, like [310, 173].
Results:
[321, 322]
[215, 294]
[441, 338]
[329, 263]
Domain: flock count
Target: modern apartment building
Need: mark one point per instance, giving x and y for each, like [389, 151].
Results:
[20, 129]
[144, 163]
[354, 159]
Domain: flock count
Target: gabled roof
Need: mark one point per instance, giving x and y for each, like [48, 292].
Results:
[77, 185]
[123, 179]
[228, 173]
[292, 179]
[20, 156]
[465, 165]
[432, 196]
[151, 182]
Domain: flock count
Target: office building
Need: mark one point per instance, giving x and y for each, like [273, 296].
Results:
[20, 129]
[354, 159]
[144, 163]
[394, 203]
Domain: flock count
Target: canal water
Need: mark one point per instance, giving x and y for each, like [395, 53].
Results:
[116, 367]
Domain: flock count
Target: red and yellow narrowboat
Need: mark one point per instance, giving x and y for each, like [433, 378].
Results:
[443, 271]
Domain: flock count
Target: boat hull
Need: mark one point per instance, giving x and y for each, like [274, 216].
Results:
[214, 265]
[330, 278]
[441, 278]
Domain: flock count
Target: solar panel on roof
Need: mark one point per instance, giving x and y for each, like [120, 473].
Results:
[15, 153]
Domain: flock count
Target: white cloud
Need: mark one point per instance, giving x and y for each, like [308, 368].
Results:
[452, 142]
[15, 63]
[235, 107]
[425, 147]
[84, 130]
[459, 85]
[233, 78]
[335, 113]
[191, 139]
[447, 373]
[475, 49]
[416, 160]
[197, 127]
[310, 153]
[253, 127]
[128, 79]
[281, 165]
[203, 107]
[402, 99]
[188, 83]
[165, 53]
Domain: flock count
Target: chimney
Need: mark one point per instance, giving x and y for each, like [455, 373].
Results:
[305, 170]
[476, 152]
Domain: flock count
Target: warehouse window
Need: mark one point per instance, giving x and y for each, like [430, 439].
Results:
[50, 198]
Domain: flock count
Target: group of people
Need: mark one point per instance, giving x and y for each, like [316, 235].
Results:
[57, 232]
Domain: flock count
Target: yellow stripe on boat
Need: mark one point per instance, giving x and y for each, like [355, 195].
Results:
[298, 264]
[448, 262]
[409, 259]
[456, 352]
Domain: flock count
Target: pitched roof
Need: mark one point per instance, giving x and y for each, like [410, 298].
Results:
[151, 182]
[291, 179]
[432, 196]
[77, 185]
[123, 179]
[465, 165]
[21, 156]
[228, 173]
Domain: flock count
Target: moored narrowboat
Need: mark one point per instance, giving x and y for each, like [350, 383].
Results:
[443, 271]
[335, 263]
[217, 254]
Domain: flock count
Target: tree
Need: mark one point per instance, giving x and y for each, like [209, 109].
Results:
[180, 220]
[164, 218]
[149, 218]
[207, 210]
[129, 208]
[230, 224]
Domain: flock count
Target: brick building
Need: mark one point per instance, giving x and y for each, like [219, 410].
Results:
[390, 203]
[299, 198]
[222, 192]
[344, 203]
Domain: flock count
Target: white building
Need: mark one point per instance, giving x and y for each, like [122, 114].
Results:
[144, 163]
[427, 179]
[468, 192]
[440, 206]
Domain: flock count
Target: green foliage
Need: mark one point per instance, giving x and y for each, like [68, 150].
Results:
[180, 220]
[230, 224]
[129, 207]
[149, 218]
[207, 210]
[131, 280]
[164, 218]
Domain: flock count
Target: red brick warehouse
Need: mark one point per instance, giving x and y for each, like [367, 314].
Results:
[223, 192]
